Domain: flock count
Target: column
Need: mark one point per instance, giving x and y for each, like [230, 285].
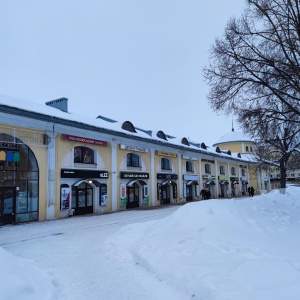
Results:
[51, 166]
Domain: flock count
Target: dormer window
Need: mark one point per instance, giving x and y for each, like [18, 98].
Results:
[83, 155]
[165, 164]
[133, 160]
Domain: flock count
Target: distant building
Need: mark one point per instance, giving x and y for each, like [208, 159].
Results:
[239, 142]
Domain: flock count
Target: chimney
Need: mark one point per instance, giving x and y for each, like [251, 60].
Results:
[61, 104]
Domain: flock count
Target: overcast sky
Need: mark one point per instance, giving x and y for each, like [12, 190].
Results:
[135, 60]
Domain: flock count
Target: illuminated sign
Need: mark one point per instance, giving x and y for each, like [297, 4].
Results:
[76, 173]
[136, 175]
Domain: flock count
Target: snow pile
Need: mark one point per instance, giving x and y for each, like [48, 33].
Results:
[223, 249]
[21, 280]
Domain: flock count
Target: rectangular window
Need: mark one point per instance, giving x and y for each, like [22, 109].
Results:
[222, 170]
[83, 155]
[165, 164]
[133, 160]
[207, 168]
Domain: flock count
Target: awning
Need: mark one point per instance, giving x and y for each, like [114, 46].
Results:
[210, 182]
[95, 182]
[141, 182]
[168, 182]
[245, 182]
[222, 182]
[194, 182]
[234, 182]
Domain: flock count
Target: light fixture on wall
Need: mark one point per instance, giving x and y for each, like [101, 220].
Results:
[90, 181]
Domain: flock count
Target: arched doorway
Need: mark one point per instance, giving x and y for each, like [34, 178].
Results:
[167, 191]
[19, 181]
[82, 198]
[137, 192]
[191, 190]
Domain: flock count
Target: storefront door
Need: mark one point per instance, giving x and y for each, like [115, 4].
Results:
[84, 199]
[133, 199]
[7, 205]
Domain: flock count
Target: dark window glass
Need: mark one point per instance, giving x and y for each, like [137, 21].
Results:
[165, 164]
[243, 172]
[222, 170]
[133, 160]
[189, 166]
[83, 155]
[207, 168]
[233, 171]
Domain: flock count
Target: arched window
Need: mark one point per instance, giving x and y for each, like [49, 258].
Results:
[243, 172]
[250, 149]
[165, 164]
[233, 171]
[133, 160]
[189, 166]
[20, 176]
[222, 170]
[247, 148]
[83, 155]
[207, 168]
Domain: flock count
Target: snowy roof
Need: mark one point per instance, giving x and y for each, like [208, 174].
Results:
[103, 123]
[233, 136]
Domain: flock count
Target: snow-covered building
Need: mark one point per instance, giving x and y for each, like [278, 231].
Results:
[240, 142]
[54, 164]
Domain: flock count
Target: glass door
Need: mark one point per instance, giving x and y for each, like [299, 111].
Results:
[7, 205]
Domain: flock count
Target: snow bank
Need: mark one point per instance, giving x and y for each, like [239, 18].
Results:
[224, 249]
[21, 280]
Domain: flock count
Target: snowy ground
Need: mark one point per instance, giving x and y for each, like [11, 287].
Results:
[209, 250]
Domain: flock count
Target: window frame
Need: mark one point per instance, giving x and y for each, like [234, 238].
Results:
[189, 166]
[207, 168]
[165, 164]
[133, 160]
[222, 170]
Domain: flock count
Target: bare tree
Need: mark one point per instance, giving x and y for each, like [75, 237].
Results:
[256, 63]
[277, 142]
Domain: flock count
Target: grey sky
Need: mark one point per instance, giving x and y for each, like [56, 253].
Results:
[128, 60]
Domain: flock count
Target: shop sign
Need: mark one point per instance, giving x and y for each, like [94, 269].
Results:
[76, 173]
[162, 153]
[124, 175]
[208, 177]
[223, 177]
[189, 157]
[234, 179]
[134, 148]
[73, 138]
[208, 160]
[10, 146]
[167, 176]
[266, 178]
[190, 177]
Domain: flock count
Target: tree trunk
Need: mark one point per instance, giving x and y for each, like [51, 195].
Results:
[282, 176]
